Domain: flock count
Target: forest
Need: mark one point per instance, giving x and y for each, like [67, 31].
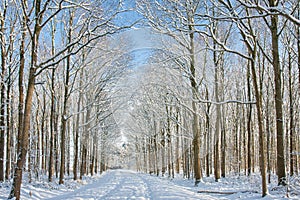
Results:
[195, 88]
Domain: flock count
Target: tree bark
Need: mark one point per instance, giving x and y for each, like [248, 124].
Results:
[249, 129]
[218, 117]
[9, 104]
[163, 147]
[297, 160]
[23, 148]
[194, 87]
[262, 145]
[43, 131]
[9, 129]
[156, 151]
[291, 113]
[52, 110]
[21, 88]
[65, 102]
[2, 89]
[269, 145]
[93, 153]
[168, 138]
[281, 169]
[75, 166]
[64, 117]
[207, 134]
[298, 45]
[9, 135]
[177, 156]
[150, 161]
[16, 187]
[83, 162]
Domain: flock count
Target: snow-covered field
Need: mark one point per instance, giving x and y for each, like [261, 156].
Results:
[125, 184]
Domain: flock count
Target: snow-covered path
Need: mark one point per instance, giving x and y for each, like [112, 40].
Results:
[124, 184]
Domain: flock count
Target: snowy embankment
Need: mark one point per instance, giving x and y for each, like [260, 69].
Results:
[124, 184]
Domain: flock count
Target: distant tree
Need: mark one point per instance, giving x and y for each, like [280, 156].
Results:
[168, 21]
[8, 20]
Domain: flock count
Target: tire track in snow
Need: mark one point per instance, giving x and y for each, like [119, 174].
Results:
[129, 185]
[91, 191]
[165, 189]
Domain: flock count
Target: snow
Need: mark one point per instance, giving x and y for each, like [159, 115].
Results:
[125, 184]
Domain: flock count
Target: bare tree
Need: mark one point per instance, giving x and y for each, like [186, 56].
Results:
[65, 100]
[7, 40]
[281, 169]
[183, 23]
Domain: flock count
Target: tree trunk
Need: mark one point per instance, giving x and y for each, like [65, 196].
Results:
[9, 106]
[208, 135]
[85, 142]
[269, 146]
[43, 151]
[249, 129]
[168, 138]
[194, 87]
[138, 155]
[291, 112]
[21, 92]
[75, 166]
[281, 169]
[145, 167]
[93, 154]
[36, 143]
[2, 90]
[83, 162]
[183, 149]
[56, 140]
[64, 117]
[52, 111]
[223, 119]
[96, 158]
[169, 153]
[23, 148]
[103, 158]
[68, 145]
[223, 152]
[150, 161]
[9, 128]
[260, 128]
[16, 187]
[218, 118]
[156, 139]
[298, 45]
[177, 156]
[163, 146]
[298, 48]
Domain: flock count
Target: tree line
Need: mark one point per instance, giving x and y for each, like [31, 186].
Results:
[57, 65]
[225, 86]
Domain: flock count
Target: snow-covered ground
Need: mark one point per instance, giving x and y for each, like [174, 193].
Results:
[125, 184]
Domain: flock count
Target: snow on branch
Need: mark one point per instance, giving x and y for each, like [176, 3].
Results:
[273, 10]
